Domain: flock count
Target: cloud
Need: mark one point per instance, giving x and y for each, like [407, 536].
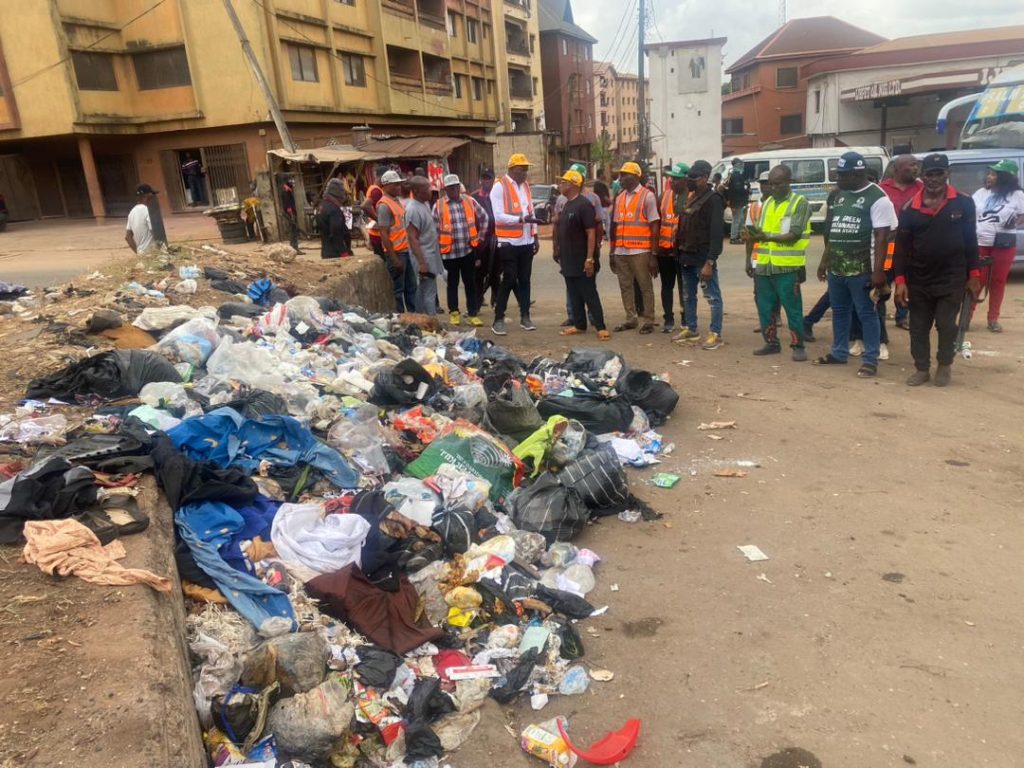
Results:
[746, 23]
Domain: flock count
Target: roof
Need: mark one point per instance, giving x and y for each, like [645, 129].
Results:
[375, 149]
[807, 37]
[556, 16]
[922, 49]
[687, 43]
[335, 153]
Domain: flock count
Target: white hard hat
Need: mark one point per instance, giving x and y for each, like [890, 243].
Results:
[391, 177]
[451, 180]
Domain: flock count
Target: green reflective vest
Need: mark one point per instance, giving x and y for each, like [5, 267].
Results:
[775, 221]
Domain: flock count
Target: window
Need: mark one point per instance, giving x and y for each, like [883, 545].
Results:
[451, 24]
[565, 48]
[487, 31]
[588, 87]
[161, 69]
[533, 42]
[806, 171]
[732, 126]
[355, 71]
[346, 2]
[875, 164]
[535, 90]
[791, 124]
[590, 121]
[94, 71]
[471, 30]
[457, 84]
[478, 88]
[786, 77]
[817, 102]
[303, 62]
[490, 87]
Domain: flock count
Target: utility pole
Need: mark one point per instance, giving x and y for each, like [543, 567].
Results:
[641, 88]
[254, 65]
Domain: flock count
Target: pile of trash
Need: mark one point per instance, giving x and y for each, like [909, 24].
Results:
[374, 518]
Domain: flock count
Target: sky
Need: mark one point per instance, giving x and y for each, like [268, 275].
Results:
[746, 23]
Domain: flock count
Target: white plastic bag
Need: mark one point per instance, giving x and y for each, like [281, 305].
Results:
[303, 535]
[193, 342]
[160, 318]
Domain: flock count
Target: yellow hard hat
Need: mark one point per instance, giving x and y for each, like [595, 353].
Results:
[517, 159]
[573, 177]
[631, 168]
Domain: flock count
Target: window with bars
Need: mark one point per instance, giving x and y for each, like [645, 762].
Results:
[457, 85]
[167, 68]
[471, 30]
[303, 62]
[94, 71]
[790, 125]
[355, 70]
[732, 126]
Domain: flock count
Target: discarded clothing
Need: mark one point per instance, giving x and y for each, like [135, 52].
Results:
[10, 291]
[205, 528]
[386, 618]
[121, 373]
[227, 439]
[68, 548]
[50, 490]
[324, 544]
[185, 481]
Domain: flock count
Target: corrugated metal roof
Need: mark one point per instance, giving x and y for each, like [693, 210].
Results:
[802, 37]
[416, 146]
[335, 153]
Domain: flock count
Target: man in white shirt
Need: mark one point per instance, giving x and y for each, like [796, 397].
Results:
[516, 230]
[139, 235]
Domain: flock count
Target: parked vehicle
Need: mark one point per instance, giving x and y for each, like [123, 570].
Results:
[814, 171]
[997, 118]
[543, 196]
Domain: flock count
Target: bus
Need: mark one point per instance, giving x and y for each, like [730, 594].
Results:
[997, 118]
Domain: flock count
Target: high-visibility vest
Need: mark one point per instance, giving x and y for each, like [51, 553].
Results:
[444, 234]
[632, 229]
[371, 225]
[780, 254]
[890, 249]
[513, 208]
[669, 221]
[754, 215]
[397, 234]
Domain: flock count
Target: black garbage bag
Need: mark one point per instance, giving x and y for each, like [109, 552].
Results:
[513, 414]
[496, 603]
[428, 702]
[549, 508]
[571, 643]
[597, 476]
[212, 273]
[421, 743]
[119, 373]
[237, 308]
[656, 398]
[258, 402]
[565, 603]
[456, 527]
[236, 713]
[595, 412]
[590, 360]
[229, 286]
[517, 678]
[377, 666]
[401, 384]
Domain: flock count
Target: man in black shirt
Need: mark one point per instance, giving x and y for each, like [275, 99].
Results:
[574, 244]
[737, 195]
[699, 244]
[936, 260]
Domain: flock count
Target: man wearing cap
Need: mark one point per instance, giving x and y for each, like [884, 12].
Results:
[516, 230]
[634, 236]
[699, 245]
[672, 201]
[395, 242]
[424, 244]
[936, 261]
[488, 271]
[600, 213]
[335, 238]
[858, 224]
[139, 234]
[460, 220]
[737, 194]
[782, 236]
[574, 244]
[290, 211]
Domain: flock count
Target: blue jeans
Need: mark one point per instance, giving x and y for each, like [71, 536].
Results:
[848, 295]
[404, 283]
[736, 226]
[691, 278]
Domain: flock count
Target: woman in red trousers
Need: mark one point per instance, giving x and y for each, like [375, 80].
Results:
[1000, 208]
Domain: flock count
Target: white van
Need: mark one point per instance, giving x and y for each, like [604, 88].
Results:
[814, 171]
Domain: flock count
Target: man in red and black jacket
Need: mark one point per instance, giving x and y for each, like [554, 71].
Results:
[936, 260]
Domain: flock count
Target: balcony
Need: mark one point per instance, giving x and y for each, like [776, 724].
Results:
[432, 13]
[518, 9]
[404, 69]
[400, 7]
[437, 75]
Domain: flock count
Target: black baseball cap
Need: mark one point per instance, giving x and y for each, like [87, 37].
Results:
[936, 161]
[486, 173]
[851, 162]
[145, 189]
[698, 169]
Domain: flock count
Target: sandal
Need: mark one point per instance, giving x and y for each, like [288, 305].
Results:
[647, 329]
[624, 327]
[829, 360]
[867, 371]
[572, 330]
[603, 335]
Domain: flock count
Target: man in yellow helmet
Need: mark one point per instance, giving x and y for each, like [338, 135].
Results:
[516, 230]
[634, 237]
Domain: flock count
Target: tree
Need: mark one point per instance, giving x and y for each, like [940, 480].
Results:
[601, 153]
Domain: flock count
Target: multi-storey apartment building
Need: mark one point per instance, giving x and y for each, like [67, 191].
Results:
[617, 107]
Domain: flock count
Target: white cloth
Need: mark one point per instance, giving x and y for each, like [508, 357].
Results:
[141, 227]
[883, 214]
[997, 213]
[501, 217]
[303, 535]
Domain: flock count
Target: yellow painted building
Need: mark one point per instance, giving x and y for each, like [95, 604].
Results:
[99, 95]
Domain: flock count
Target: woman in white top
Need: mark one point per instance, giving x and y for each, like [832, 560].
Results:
[1000, 207]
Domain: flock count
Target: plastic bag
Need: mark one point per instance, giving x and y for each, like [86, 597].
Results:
[243, 361]
[45, 430]
[218, 674]
[308, 725]
[358, 435]
[513, 413]
[456, 529]
[549, 508]
[597, 414]
[470, 402]
[413, 499]
[193, 342]
[305, 310]
[164, 394]
[161, 318]
[657, 398]
[461, 488]
[559, 555]
[597, 476]
[590, 361]
[185, 287]
[568, 443]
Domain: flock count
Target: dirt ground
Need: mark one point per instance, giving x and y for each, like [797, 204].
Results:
[882, 630]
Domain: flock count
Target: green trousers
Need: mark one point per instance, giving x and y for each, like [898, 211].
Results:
[772, 292]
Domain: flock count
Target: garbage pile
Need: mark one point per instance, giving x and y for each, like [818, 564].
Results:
[374, 517]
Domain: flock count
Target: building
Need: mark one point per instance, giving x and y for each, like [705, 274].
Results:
[767, 95]
[686, 100]
[97, 97]
[617, 107]
[566, 56]
[890, 94]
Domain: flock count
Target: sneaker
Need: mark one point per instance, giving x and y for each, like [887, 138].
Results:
[454, 317]
[917, 378]
[475, 321]
[498, 328]
[527, 324]
[857, 348]
[713, 341]
[768, 349]
[943, 375]
[668, 327]
[687, 335]
[995, 327]
[883, 351]
[799, 355]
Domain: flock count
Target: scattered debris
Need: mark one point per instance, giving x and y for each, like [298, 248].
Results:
[752, 552]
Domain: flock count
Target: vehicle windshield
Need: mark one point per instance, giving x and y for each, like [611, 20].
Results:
[997, 119]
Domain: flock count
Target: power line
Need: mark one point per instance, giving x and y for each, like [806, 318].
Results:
[94, 43]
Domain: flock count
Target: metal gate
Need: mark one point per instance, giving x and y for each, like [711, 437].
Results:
[227, 172]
